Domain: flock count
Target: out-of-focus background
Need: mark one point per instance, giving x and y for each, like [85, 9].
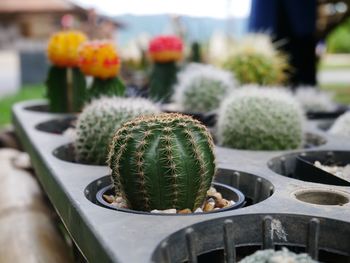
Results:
[26, 25]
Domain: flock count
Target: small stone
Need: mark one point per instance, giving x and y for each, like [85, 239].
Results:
[209, 206]
[217, 196]
[211, 191]
[198, 210]
[109, 198]
[185, 211]
[221, 203]
[166, 211]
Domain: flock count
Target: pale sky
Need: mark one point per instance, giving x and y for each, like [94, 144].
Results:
[209, 8]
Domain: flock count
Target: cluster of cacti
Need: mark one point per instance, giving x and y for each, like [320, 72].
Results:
[260, 119]
[255, 60]
[65, 83]
[161, 162]
[312, 99]
[272, 256]
[99, 121]
[100, 60]
[341, 125]
[201, 88]
[164, 51]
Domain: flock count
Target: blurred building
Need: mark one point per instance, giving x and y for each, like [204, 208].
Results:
[26, 25]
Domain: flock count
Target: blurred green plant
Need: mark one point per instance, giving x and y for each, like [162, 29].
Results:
[338, 41]
[25, 93]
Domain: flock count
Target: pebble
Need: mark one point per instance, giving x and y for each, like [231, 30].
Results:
[166, 211]
[185, 211]
[214, 202]
[339, 171]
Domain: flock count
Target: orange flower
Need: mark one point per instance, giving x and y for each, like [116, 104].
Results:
[99, 59]
[63, 46]
[164, 49]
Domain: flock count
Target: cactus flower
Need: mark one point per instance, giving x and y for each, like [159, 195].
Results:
[63, 46]
[99, 59]
[163, 49]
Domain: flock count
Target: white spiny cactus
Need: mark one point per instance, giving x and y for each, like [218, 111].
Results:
[202, 87]
[100, 120]
[260, 119]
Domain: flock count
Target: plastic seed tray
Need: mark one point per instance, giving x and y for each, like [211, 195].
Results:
[281, 210]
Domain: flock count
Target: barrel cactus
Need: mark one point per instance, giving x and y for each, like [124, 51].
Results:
[162, 161]
[98, 122]
[341, 125]
[260, 119]
[255, 60]
[202, 87]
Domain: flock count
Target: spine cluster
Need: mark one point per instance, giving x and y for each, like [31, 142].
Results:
[162, 161]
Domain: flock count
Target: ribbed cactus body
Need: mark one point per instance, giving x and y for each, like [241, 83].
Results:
[105, 88]
[162, 79]
[260, 119]
[163, 161]
[99, 121]
[201, 88]
[66, 89]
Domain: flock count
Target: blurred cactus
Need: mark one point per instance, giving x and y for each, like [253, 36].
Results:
[260, 119]
[255, 60]
[164, 51]
[99, 121]
[341, 125]
[65, 83]
[100, 60]
[201, 88]
[314, 100]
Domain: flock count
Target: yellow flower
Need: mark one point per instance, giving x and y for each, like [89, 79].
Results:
[99, 59]
[63, 46]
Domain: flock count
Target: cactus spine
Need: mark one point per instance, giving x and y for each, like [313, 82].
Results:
[66, 89]
[98, 122]
[162, 161]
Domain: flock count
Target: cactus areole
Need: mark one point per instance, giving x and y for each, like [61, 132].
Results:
[162, 161]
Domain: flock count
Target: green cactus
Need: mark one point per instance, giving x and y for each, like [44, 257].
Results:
[105, 88]
[162, 80]
[99, 121]
[66, 89]
[163, 161]
[196, 53]
[253, 67]
[201, 88]
[260, 119]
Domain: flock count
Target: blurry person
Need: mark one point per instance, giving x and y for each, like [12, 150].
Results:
[292, 23]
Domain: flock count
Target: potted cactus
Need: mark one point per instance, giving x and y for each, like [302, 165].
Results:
[201, 88]
[260, 119]
[255, 60]
[100, 60]
[98, 122]
[162, 161]
[164, 51]
[65, 83]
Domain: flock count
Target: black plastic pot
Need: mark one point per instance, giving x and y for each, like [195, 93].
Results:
[317, 115]
[228, 192]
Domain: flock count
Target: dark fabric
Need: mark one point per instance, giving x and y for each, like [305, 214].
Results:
[294, 22]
